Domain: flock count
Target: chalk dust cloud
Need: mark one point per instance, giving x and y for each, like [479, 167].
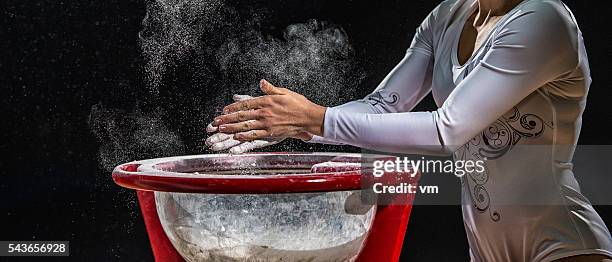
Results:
[196, 54]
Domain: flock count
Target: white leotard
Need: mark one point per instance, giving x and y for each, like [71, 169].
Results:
[517, 102]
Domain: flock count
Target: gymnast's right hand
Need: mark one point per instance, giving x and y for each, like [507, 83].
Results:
[222, 141]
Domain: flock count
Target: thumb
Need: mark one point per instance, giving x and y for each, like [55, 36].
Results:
[269, 89]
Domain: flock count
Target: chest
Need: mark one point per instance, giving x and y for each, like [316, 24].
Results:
[472, 37]
[459, 50]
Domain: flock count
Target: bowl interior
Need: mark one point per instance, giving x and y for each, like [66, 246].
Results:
[250, 164]
[260, 227]
[263, 227]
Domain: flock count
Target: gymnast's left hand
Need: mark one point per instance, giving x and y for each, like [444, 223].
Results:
[281, 113]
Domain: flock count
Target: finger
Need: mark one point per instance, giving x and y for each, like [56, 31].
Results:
[242, 148]
[216, 138]
[241, 126]
[251, 135]
[210, 128]
[245, 105]
[238, 98]
[237, 117]
[270, 89]
[248, 146]
[225, 144]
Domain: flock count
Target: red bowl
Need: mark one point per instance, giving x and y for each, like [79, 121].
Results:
[225, 174]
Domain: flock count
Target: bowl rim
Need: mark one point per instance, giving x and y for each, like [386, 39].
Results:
[142, 175]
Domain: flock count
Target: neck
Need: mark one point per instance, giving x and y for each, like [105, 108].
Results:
[492, 8]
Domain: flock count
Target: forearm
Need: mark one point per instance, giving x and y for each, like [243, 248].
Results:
[410, 132]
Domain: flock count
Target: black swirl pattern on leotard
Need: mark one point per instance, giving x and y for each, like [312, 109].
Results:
[377, 98]
[493, 143]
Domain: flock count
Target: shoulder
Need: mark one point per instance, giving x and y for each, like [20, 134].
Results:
[445, 7]
[540, 31]
[444, 10]
[438, 18]
[549, 18]
[541, 25]
[554, 9]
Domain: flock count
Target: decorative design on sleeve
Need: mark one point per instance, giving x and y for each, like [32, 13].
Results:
[493, 143]
[377, 98]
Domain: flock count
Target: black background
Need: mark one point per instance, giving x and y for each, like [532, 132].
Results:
[59, 58]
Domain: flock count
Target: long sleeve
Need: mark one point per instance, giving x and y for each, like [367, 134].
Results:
[404, 87]
[530, 49]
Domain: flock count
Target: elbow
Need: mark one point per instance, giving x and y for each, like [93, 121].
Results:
[450, 146]
[452, 140]
[447, 151]
[451, 133]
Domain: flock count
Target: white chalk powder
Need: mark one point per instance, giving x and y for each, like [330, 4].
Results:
[219, 51]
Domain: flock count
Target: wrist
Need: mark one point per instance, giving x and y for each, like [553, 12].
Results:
[316, 120]
[304, 136]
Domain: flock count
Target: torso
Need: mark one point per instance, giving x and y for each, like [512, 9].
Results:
[545, 120]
